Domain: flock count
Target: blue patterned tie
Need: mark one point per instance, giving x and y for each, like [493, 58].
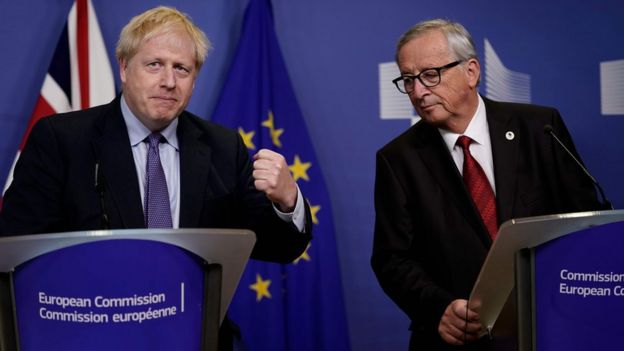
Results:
[157, 208]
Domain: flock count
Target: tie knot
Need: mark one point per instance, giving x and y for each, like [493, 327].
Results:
[464, 142]
[154, 139]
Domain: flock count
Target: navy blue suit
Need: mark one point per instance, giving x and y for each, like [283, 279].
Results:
[54, 182]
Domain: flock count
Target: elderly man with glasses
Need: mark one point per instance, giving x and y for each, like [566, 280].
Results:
[445, 185]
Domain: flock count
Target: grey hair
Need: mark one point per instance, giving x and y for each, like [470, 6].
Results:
[459, 40]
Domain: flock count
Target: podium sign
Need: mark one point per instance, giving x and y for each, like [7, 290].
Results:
[579, 290]
[110, 295]
[497, 277]
[131, 289]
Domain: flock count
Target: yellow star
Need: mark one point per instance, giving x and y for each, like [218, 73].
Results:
[304, 256]
[261, 287]
[275, 133]
[313, 211]
[299, 169]
[269, 122]
[247, 138]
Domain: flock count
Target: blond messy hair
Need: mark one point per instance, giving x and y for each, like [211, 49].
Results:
[160, 20]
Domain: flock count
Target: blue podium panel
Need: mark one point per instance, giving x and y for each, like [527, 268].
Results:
[579, 290]
[111, 295]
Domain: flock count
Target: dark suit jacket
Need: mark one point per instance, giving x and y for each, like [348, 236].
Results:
[430, 241]
[54, 182]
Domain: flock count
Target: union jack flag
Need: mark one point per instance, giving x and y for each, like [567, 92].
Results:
[79, 75]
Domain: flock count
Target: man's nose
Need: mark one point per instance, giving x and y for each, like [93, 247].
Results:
[419, 89]
[168, 79]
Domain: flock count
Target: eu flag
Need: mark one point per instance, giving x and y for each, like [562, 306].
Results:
[297, 306]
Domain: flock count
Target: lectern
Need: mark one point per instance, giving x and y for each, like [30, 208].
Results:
[561, 265]
[134, 289]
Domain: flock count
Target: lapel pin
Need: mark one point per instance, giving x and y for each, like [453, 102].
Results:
[510, 135]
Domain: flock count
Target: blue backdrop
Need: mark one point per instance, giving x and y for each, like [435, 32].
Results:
[332, 51]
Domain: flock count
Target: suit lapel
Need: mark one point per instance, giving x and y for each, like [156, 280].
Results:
[112, 148]
[504, 134]
[439, 161]
[195, 158]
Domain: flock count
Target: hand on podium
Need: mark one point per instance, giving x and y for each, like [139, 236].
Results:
[459, 324]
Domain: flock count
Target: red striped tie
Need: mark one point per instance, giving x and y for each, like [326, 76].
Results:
[479, 187]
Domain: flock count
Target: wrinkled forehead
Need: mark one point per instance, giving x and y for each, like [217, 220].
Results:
[172, 39]
[427, 49]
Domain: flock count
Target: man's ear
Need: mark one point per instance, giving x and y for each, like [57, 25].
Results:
[123, 64]
[473, 70]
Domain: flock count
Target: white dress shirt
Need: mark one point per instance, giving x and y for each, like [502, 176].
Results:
[480, 148]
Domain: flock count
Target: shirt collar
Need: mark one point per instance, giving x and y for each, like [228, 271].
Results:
[476, 130]
[138, 132]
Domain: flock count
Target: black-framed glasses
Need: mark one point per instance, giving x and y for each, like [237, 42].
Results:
[429, 77]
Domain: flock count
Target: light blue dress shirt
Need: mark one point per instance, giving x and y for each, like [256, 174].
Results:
[170, 159]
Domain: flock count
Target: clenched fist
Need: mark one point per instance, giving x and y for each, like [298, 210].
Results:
[271, 176]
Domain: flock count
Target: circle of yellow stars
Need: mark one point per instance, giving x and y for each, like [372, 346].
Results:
[299, 170]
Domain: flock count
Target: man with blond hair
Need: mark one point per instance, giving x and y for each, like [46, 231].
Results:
[154, 164]
[129, 144]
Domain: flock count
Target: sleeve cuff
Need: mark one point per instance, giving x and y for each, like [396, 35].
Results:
[297, 216]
